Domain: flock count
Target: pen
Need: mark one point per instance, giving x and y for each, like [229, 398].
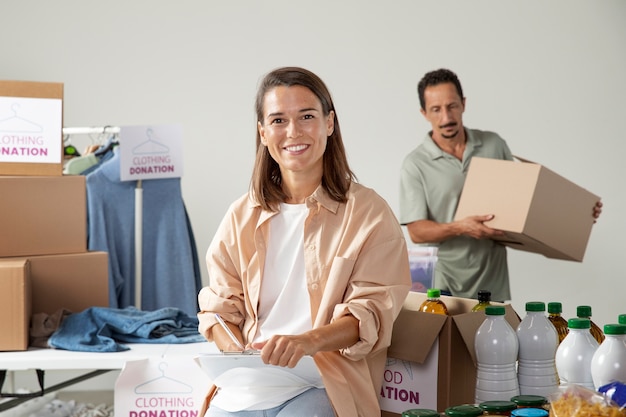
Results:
[230, 333]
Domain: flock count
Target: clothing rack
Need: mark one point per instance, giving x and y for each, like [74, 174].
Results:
[138, 205]
[90, 130]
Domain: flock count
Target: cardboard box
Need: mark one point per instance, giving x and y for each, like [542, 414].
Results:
[72, 282]
[431, 361]
[14, 305]
[31, 128]
[539, 210]
[42, 215]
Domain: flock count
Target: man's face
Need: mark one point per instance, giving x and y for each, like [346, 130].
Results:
[444, 110]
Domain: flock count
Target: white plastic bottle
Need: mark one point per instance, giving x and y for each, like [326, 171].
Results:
[608, 364]
[574, 354]
[496, 348]
[538, 341]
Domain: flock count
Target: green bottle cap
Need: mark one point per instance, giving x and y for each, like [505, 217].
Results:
[622, 319]
[495, 311]
[583, 311]
[433, 293]
[535, 306]
[464, 411]
[497, 406]
[555, 308]
[615, 329]
[420, 412]
[529, 400]
[579, 323]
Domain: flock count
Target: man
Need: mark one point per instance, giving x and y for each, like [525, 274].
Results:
[432, 178]
[431, 182]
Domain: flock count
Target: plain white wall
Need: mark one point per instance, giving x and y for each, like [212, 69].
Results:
[547, 76]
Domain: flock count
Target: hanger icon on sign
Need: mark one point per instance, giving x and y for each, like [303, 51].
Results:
[16, 123]
[163, 385]
[150, 146]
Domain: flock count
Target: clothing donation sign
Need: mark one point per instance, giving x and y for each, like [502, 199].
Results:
[30, 129]
[161, 387]
[150, 152]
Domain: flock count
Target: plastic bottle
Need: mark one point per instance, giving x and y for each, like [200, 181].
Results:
[609, 362]
[584, 312]
[560, 324]
[538, 341]
[484, 300]
[574, 354]
[496, 347]
[433, 302]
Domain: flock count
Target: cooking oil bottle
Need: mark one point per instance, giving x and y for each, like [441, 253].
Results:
[555, 310]
[484, 300]
[433, 302]
[584, 312]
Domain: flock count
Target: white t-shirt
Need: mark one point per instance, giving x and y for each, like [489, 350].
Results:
[284, 309]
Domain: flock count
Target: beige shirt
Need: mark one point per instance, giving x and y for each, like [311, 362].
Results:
[356, 264]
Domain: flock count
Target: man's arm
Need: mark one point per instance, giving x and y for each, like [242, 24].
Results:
[428, 231]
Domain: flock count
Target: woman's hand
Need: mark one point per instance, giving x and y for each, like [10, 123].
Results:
[287, 350]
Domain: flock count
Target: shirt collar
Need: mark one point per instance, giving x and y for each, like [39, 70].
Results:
[435, 151]
[320, 198]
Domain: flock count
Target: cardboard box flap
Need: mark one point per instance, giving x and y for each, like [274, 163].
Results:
[469, 323]
[414, 332]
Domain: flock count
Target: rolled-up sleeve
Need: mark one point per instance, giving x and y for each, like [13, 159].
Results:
[378, 287]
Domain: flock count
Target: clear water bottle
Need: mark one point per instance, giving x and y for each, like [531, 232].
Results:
[609, 362]
[496, 347]
[555, 311]
[574, 354]
[538, 341]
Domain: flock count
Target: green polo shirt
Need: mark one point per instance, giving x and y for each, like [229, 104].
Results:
[430, 188]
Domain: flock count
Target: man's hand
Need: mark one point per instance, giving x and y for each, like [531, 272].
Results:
[474, 226]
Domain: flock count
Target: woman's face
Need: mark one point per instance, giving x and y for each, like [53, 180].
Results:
[295, 130]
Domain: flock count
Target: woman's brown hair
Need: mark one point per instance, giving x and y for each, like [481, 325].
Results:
[266, 183]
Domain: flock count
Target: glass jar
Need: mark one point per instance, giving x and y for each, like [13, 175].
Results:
[497, 408]
[532, 401]
[466, 410]
[530, 412]
[420, 412]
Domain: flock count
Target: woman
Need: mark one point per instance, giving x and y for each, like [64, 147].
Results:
[308, 262]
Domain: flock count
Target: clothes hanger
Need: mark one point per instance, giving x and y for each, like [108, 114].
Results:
[69, 150]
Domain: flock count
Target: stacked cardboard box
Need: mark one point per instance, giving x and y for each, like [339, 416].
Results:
[44, 262]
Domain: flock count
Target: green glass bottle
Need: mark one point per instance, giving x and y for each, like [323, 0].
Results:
[484, 300]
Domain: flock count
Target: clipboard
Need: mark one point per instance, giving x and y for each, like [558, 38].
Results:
[215, 364]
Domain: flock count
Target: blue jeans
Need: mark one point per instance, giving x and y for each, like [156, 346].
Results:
[311, 403]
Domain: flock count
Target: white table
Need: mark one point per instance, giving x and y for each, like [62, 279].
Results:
[98, 362]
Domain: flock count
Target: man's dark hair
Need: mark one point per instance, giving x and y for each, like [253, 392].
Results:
[437, 77]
